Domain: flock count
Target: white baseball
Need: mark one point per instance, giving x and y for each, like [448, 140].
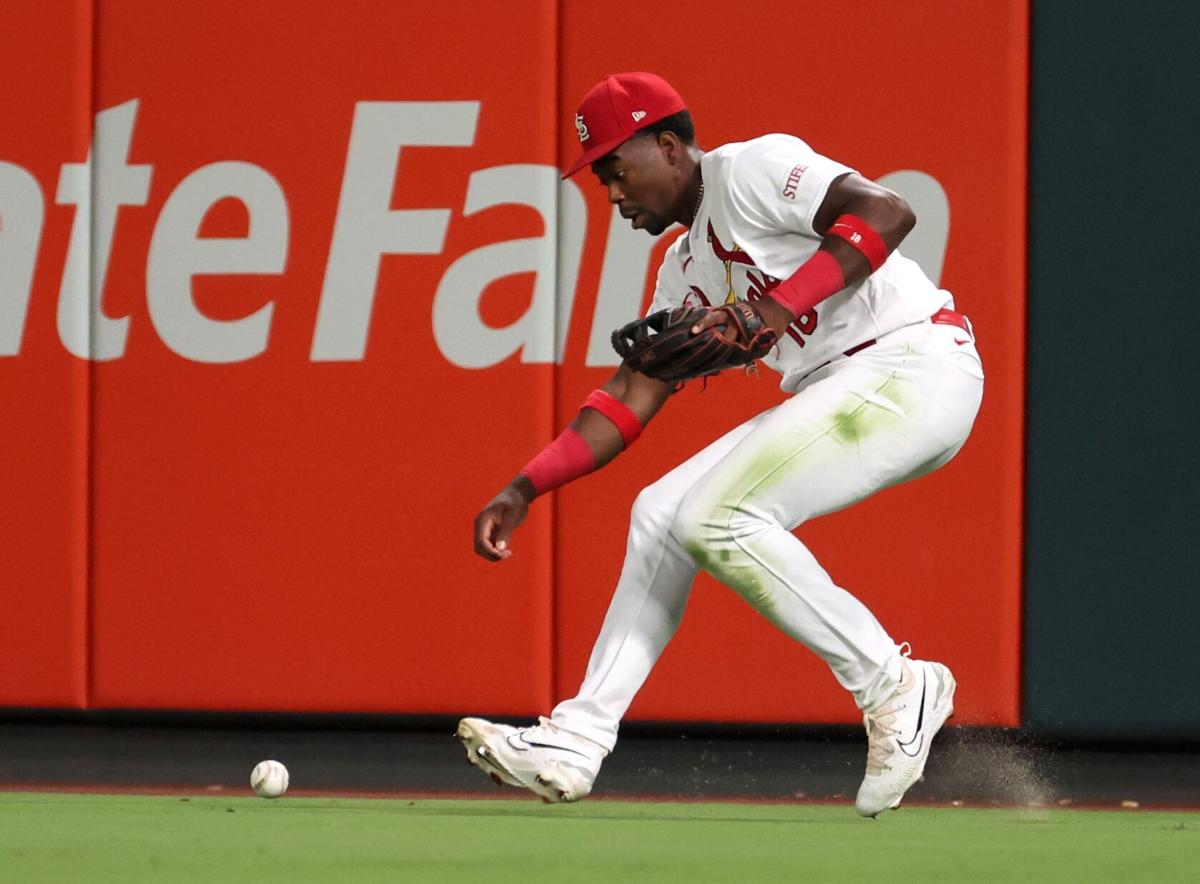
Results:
[269, 779]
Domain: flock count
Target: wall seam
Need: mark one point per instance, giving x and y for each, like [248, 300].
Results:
[90, 393]
[556, 365]
[1022, 534]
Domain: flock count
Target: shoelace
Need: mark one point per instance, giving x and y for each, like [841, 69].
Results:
[546, 731]
[880, 728]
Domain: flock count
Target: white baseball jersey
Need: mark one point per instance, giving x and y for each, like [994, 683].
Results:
[754, 229]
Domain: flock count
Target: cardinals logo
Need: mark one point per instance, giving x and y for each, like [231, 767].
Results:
[581, 127]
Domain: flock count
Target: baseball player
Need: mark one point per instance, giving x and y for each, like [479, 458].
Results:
[884, 384]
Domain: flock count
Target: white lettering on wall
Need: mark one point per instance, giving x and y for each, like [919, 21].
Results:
[366, 227]
[622, 282]
[926, 244]
[22, 208]
[177, 254]
[553, 258]
[108, 179]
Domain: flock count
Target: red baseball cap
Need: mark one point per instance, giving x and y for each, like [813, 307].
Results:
[616, 108]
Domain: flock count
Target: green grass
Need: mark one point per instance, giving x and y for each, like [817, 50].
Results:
[98, 838]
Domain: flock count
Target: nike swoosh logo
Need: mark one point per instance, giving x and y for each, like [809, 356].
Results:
[534, 745]
[960, 343]
[917, 735]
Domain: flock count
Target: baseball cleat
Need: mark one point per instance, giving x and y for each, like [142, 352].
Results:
[552, 763]
[899, 732]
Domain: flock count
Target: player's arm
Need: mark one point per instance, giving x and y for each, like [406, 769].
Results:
[860, 223]
[609, 421]
[885, 212]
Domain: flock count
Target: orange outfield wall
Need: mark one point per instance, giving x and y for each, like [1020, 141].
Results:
[346, 299]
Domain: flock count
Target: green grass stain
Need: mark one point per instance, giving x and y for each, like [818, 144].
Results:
[863, 417]
[698, 553]
[742, 574]
[855, 421]
[859, 418]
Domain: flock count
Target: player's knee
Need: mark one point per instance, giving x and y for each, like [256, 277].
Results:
[697, 527]
[711, 532]
[653, 509]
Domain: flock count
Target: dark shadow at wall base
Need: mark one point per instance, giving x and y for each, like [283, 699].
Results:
[379, 754]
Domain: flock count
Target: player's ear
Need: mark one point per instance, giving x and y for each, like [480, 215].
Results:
[671, 146]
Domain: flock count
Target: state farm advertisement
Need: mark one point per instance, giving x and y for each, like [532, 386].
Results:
[288, 291]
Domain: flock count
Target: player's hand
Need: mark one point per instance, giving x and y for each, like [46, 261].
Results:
[496, 522]
[774, 315]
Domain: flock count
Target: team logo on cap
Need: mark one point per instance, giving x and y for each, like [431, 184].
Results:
[581, 127]
[638, 116]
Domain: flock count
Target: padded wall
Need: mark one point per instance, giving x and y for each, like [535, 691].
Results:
[332, 295]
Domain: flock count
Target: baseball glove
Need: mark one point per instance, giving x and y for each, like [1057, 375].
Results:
[662, 345]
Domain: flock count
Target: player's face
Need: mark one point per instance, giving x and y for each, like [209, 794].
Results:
[641, 183]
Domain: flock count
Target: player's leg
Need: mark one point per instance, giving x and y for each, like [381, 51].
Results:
[648, 603]
[559, 758]
[890, 413]
[893, 412]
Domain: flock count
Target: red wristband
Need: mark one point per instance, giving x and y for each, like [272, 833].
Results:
[566, 458]
[618, 412]
[814, 281]
[863, 237]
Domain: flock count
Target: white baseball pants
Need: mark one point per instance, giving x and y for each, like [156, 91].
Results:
[892, 412]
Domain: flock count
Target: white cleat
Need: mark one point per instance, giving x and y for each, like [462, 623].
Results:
[899, 732]
[552, 763]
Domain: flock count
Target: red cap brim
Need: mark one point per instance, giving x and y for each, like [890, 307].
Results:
[600, 151]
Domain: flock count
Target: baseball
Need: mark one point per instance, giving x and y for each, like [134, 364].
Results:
[269, 779]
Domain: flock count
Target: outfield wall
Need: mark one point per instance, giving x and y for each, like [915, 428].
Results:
[288, 290]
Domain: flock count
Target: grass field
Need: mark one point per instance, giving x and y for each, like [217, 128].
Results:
[98, 838]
